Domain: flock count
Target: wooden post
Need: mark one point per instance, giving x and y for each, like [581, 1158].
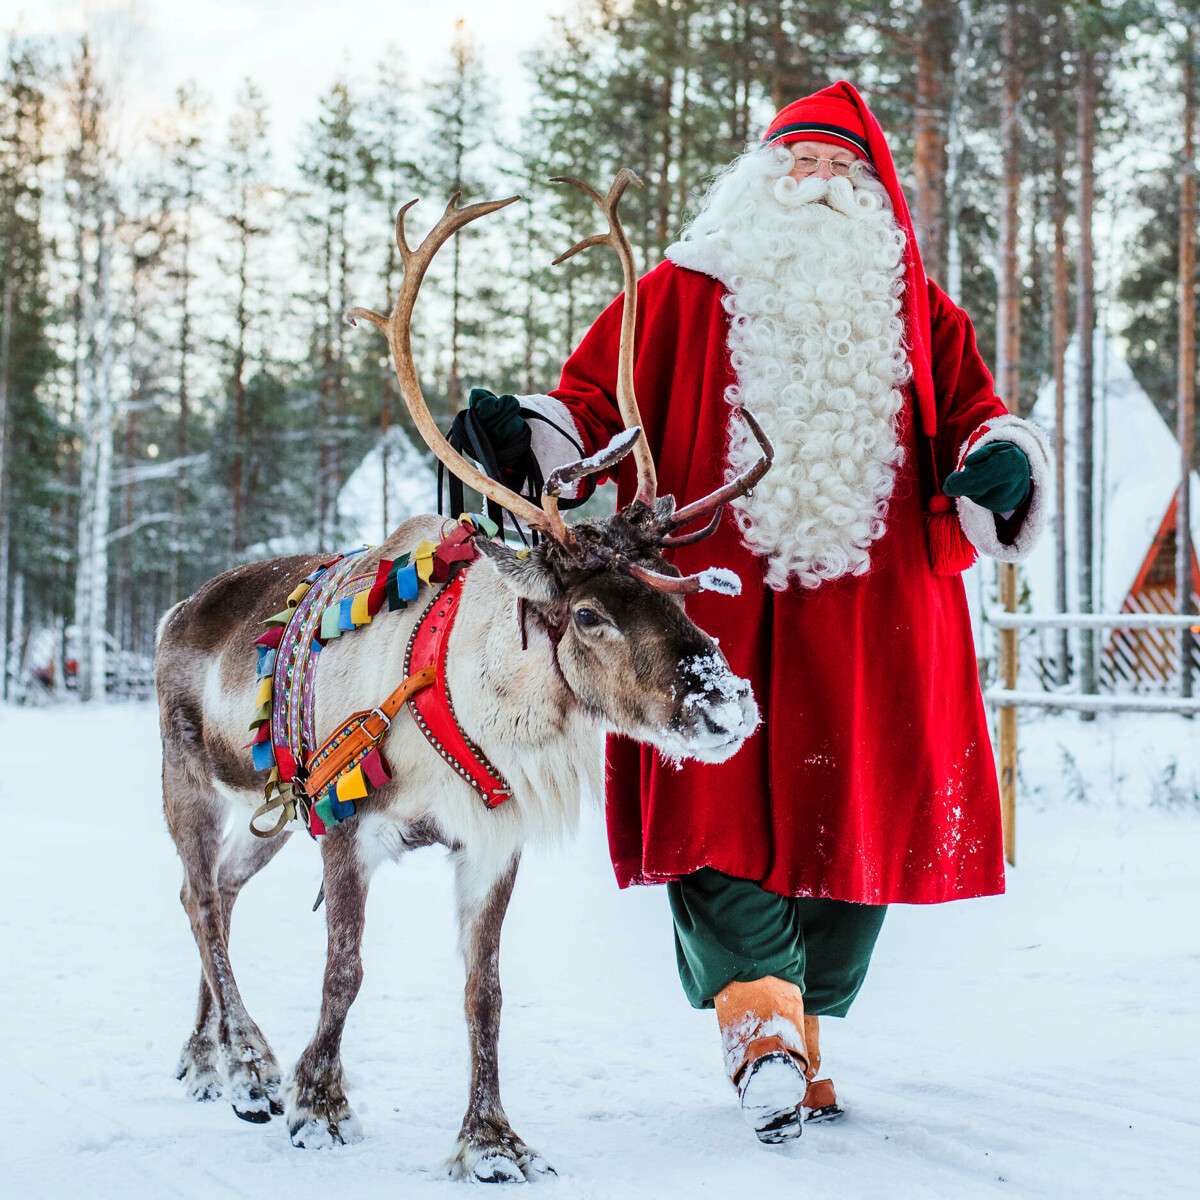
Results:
[1008, 355]
[1008, 716]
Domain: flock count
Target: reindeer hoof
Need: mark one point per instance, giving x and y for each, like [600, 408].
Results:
[254, 1083]
[319, 1117]
[203, 1089]
[256, 1116]
[495, 1168]
[317, 1133]
[503, 1158]
[197, 1069]
[258, 1104]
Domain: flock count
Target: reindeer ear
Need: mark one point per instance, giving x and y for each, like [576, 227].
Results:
[523, 572]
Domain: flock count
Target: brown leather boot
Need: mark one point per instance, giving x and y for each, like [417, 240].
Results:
[820, 1100]
[762, 1033]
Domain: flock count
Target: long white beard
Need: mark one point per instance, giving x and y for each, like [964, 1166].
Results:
[816, 343]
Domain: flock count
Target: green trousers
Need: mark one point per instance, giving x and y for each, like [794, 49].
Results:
[730, 929]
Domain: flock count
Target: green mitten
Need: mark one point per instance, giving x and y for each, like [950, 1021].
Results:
[995, 476]
[500, 416]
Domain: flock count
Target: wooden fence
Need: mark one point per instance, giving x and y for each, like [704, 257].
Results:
[1008, 697]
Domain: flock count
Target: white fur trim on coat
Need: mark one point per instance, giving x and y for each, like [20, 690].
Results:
[979, 523]
[697, 256]
[551, 448]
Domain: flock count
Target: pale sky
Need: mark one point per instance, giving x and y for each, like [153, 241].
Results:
[292, 48]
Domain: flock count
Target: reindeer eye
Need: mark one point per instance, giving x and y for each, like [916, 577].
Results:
[587, 618]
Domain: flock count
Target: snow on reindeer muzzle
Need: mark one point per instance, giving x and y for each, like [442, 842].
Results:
[716, 710]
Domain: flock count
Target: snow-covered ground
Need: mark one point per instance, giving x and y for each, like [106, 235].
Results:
[1040, 1044]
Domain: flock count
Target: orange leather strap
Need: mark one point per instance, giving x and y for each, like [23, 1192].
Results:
[360, 731]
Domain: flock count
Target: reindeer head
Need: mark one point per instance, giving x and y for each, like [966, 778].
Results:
[604, 592]
[625, 647]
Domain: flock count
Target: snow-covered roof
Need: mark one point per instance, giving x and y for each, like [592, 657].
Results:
[1136, 471]
[412, 489]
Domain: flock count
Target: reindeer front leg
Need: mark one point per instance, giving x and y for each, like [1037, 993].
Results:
[488, 1150]
[318, 1113]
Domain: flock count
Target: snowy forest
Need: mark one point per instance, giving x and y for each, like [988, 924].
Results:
[179, 390]
[191, 199]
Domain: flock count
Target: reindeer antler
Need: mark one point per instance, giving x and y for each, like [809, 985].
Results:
[735, 487]
[398, 328]
[617, 239]
[714, 503]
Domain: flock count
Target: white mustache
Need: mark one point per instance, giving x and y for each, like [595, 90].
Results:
[836, 192]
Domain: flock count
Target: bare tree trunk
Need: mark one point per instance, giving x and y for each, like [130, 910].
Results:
[127, 594]
[527, 322]
[1085, 322]
[386, 398]
[1059, 326]
[666, 89]
[237, 468]
[453, 383]
[18, 638]
[954, 151]
[6, 316]
[325, 396]
[91, 606]
[739, 125]
[184, 398]
[339, 355]
[1187, 359]
[929, 150]
[683, 150]
[1008, 307]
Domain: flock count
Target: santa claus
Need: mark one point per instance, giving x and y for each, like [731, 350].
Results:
[797, 291]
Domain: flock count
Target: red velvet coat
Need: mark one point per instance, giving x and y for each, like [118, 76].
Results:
[871, 777]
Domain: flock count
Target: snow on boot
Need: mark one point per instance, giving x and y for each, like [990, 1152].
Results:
[770, 1089]
[762, 1036]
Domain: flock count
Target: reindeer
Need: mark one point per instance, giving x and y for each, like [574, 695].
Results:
[585, 633]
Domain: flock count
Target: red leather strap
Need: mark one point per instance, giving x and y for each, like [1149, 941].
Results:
[432, 707]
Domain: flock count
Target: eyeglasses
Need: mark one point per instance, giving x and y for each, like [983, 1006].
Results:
[807, 165]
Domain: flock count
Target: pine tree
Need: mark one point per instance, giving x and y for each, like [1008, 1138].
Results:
[390, 178]
[247, 210]
[461, 125]
[93, 214]
[330, 164]
[27, 434]
[184, 182]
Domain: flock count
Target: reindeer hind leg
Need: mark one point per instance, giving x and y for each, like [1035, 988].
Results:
[224, 1032]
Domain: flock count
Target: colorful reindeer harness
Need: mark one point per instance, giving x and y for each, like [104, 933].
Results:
[320, 784]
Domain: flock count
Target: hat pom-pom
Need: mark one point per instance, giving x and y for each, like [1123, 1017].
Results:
[950, 551]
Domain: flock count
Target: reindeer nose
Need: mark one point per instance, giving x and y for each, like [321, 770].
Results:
[725, 705]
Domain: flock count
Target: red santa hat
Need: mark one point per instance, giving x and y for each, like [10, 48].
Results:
[822, 117]
[840, 116]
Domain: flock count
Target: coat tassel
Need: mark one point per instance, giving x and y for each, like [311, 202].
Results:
[950, 551]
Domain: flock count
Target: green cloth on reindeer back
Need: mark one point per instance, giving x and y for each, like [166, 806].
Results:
[729, 929]
[995, 476]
